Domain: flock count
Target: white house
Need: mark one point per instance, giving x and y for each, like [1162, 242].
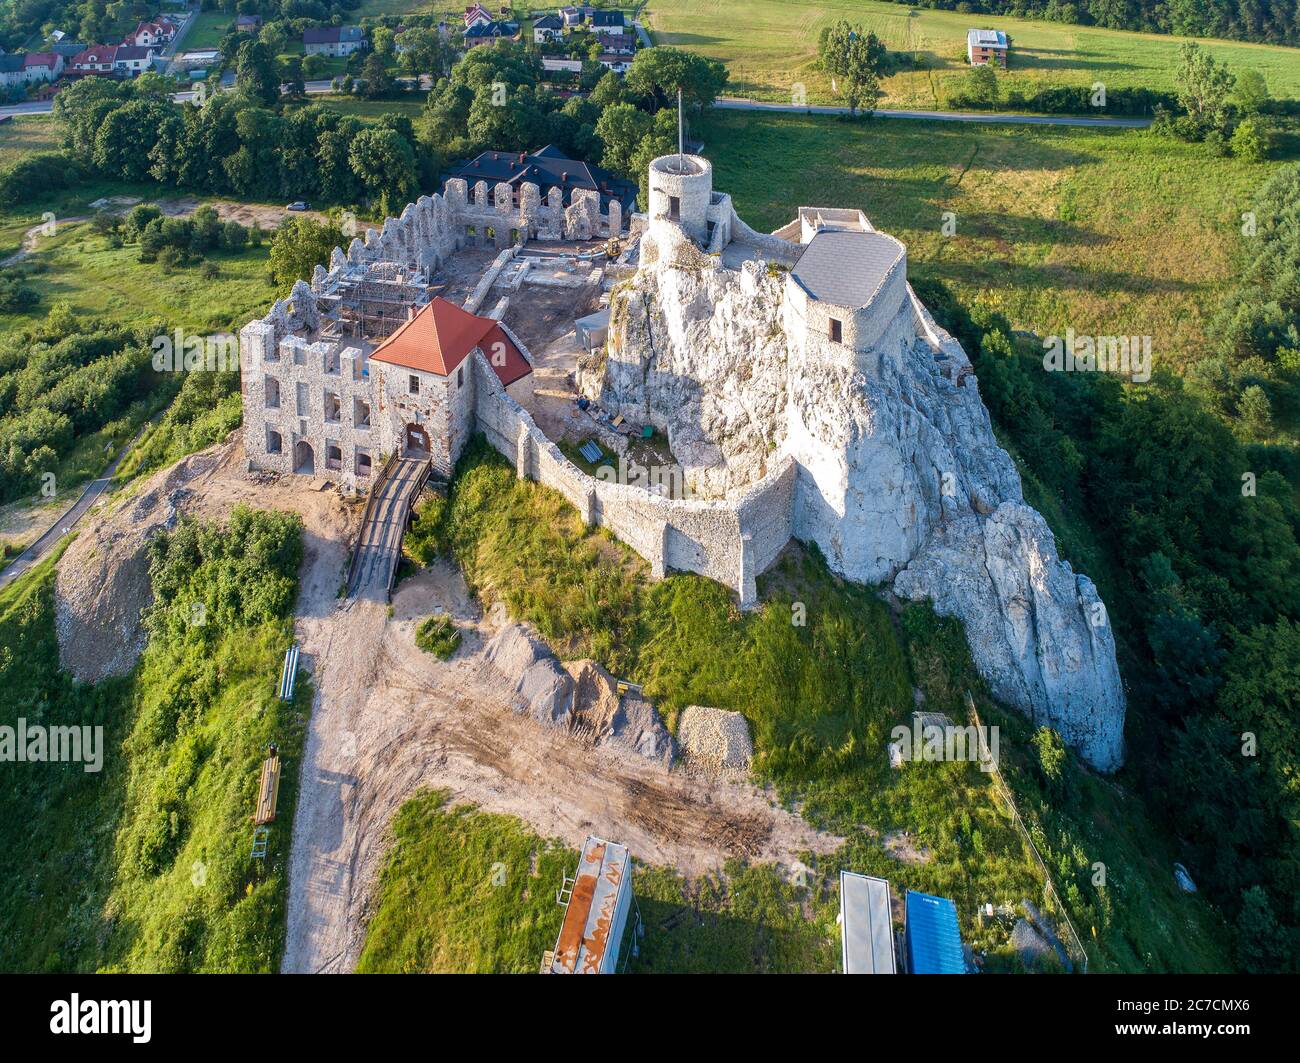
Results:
[333, 40]
[97, 59]
[607, 22]
[132, 59]
[547, 28]
[156, 34]
[986, 46]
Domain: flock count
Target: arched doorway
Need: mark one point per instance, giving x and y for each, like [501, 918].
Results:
[304, 458]
[417, 441]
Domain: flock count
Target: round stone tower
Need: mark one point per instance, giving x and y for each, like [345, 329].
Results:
[680, 189]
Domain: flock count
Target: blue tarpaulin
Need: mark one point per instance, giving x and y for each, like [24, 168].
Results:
[933, 937]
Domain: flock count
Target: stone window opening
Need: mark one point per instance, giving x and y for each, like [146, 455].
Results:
[333, 408]
[460, 376]
[413, 385]
[333, 457]
[837, 330]
[362, 462]
[674, 208]
[302, 400]
[299, 356]
[272, 389]
[274, 442]
[332, 364]
[360, 413]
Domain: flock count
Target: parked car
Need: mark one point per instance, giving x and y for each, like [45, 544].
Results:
[298, 204]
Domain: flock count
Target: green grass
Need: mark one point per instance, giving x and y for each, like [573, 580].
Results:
[208, 30]
[822, 698]
[26, 134]
[465, 891]
[770, 46]
[438, 635]
[145, 865]
[1108, 232]
[104, 283]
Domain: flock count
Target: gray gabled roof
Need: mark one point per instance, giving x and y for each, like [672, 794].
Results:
[846, 268]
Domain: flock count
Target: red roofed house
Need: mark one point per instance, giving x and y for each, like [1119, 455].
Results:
[154, 34]
[97, 59]
[422, 378]
[42, 66]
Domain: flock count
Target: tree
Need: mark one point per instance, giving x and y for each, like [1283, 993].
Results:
[292, 75]
[1203, 87]
[385, 165]
[657, 73]
[1256, 412]
[621, 129]
[299, 246]
[374, 72]
[854, 59]
[1250, 94]
[255, 74]
[1253, 140]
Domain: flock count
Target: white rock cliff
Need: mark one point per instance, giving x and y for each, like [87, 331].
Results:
[900, 479]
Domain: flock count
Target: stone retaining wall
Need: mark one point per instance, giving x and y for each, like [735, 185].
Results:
[731, 541]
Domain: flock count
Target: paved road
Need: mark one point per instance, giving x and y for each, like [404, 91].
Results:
[380, 541]
[996, 117]
[316, 88]
[33, 554]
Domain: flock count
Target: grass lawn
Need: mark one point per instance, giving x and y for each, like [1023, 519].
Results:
[821, 699]
[110, 284]
[771, 45]
[208, 30]
[1109, 232]
[24, 134]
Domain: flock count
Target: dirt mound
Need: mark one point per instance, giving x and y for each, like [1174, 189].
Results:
[103, 577]
[542, 688]
[715, 739]
[602, 716]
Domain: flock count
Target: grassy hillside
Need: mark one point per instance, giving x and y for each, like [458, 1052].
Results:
[822, 699]
[145, 865]
[1104, 231]
[26, 133]
[771, 45]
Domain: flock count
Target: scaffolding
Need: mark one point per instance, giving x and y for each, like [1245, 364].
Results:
[369, 301]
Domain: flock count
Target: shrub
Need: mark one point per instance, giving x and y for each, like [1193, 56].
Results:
[438, 635]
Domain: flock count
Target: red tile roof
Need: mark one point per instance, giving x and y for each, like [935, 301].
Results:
[440, 336]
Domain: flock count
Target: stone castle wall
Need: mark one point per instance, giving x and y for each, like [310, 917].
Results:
[731, 541]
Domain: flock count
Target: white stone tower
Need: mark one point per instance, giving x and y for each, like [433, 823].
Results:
[681, 187]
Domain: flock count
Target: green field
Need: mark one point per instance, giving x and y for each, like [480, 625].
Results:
[769, 46]
[26, 133]
[1109, 232]
[104, 283]
[208, 30]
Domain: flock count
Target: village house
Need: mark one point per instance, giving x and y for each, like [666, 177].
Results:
[571, 17]
[133, 59]
[607, 22]
[97, 59]
[987, 46]
[476, 15]
[487, 32]
[156, 34]
[547, 28]
[27, 68]
[248, 23]
[333, 40]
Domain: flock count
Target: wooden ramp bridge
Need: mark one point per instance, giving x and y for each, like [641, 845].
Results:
[388, 511]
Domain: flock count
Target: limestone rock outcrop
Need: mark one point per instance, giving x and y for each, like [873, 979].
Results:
[900, 478]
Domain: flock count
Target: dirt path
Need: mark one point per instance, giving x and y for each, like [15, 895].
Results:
[389, 719]
[32, 237]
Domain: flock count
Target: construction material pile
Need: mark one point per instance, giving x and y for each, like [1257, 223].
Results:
[715, 739]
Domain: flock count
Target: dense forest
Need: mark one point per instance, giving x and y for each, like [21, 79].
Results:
[1266, 21]
[1198, 521]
